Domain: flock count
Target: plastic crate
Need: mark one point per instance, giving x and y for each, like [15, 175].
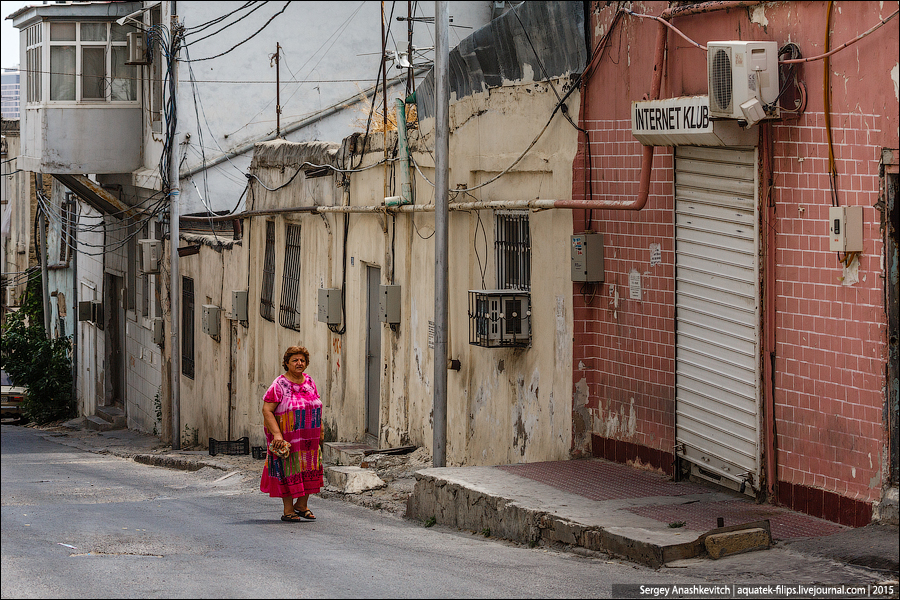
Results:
[241, 446]
[258, 452]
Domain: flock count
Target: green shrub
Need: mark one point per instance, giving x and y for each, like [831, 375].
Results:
[40, 364]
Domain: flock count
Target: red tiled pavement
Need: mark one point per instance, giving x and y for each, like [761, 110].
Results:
[603, 480]
[701, 516]
[598, 479]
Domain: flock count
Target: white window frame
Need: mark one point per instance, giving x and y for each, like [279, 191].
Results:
[38, 38]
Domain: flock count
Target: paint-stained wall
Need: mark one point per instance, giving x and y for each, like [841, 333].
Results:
[504, 405]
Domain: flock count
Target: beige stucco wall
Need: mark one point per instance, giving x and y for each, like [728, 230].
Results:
[504, 405]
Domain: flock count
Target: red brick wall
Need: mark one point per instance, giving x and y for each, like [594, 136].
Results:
[830, 338]
[624, 349]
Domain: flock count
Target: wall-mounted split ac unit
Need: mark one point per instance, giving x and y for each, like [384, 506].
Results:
[137, 51]
[743, 80]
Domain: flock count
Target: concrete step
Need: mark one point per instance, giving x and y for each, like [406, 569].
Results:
[353, 480]
[97, 424]
[344, 453]
[113, 415]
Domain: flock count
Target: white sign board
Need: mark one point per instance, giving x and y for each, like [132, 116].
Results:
[685, 121]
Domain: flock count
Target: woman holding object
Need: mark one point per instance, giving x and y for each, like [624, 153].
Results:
[292, 415]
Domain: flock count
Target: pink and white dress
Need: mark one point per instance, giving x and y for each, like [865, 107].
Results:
[299, 416]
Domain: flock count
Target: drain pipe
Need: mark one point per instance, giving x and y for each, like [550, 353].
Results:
[659, 59]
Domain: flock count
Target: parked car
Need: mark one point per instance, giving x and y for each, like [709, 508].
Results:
[13, 397]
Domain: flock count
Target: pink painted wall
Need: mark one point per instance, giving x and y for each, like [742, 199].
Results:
[830, 338]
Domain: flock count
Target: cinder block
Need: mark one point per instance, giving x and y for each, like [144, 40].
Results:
[719, 545]
[353, 480]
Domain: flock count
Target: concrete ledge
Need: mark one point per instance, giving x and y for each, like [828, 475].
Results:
[97, 424]
[171, 462]
[353, 480]
[719, 545]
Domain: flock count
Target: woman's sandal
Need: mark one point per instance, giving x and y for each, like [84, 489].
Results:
[291, 518]
[306, 514]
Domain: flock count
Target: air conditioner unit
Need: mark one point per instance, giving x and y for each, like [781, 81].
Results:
[499, 318]
[743, 80]
[150, 254]
[137, 51]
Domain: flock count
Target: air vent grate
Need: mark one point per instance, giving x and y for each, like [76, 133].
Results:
[721, 80]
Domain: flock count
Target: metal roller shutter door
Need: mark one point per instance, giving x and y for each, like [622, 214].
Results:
[717, 369]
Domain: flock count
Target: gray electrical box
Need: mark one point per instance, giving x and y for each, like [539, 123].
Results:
[587, 257]
[239, 310]
[210, 320]
[389, 304]
[330, 306]
[158, 328]
[845, 228]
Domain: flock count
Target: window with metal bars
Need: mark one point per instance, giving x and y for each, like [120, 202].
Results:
[187, 327]
[512, 243]
[67, 229]
[268, 280]
[289, 310]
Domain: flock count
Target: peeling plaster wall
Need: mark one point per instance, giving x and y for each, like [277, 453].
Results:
[504, 405]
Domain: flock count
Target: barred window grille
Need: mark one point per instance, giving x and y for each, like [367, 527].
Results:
[187, 327]
[67, 229]
[268, 281]
[512, 242]
[289, 310]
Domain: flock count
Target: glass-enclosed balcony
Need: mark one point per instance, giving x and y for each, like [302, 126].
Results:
[81, 100]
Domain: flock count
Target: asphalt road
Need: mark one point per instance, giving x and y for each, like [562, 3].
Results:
[83, 525]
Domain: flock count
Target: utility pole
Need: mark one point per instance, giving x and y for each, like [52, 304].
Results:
[384, 119]
[174, 239]
[276, 58]
[441, 218]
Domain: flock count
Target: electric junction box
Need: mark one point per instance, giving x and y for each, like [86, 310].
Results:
[587, 257]
[239, 311]
[329, 306]
[845, 228]
[210, 320]
[389, 304]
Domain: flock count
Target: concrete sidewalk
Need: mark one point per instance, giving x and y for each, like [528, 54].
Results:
[618, 509]
[591, 504]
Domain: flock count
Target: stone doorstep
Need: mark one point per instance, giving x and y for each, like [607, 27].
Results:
[353, 480]
[344, 453]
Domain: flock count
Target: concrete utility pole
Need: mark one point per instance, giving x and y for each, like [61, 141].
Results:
[174, 237]
[441, 218]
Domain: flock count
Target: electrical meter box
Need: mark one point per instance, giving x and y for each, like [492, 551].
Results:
[239, 310]
[330, 306]
[210, 320]
[150, 254]
[389, 304]
[587, 257]
[158, 328]
[845, 228]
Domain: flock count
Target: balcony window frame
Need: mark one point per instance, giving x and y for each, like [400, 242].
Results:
[40, 48]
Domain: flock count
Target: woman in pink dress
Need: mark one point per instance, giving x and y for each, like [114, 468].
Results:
[292, 413]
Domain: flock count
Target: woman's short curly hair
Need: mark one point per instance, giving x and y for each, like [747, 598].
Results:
[292, 351]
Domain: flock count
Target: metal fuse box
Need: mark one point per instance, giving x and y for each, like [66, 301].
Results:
[330, 306]
[389, 304]
[587, 257]
[845, 228]
[239, 311]
[210, 320]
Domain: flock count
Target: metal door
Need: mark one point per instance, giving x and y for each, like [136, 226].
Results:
[373, 352]
[717, 308]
